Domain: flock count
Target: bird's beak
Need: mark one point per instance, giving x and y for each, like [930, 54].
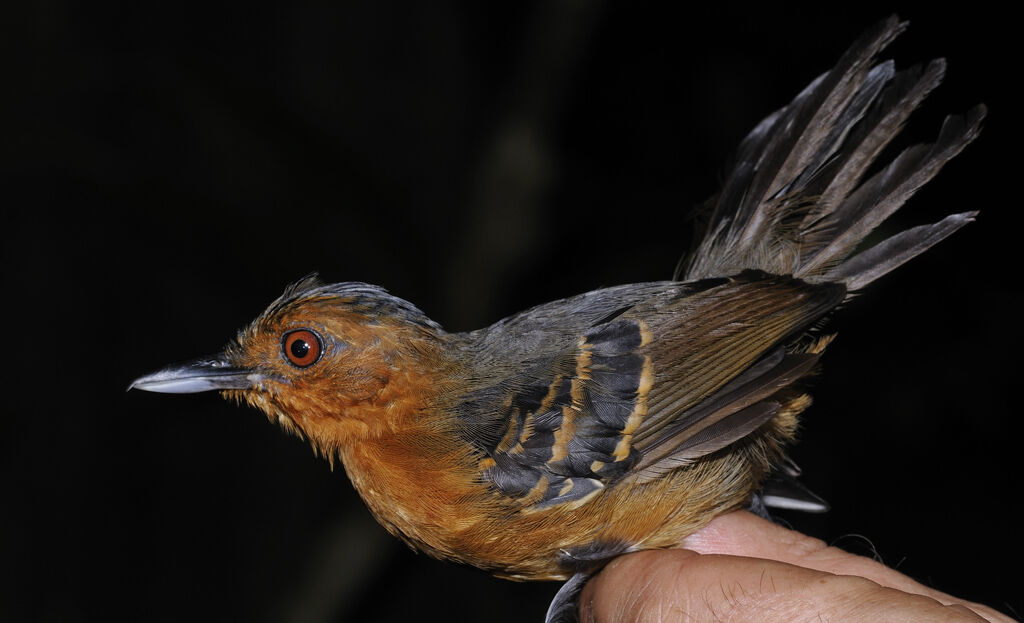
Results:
[201, 375]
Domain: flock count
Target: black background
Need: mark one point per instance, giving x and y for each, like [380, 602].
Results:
[169, 169]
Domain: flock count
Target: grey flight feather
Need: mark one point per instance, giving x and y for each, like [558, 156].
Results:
[796, 204]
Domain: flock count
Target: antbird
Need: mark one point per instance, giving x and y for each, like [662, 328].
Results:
[625, 418]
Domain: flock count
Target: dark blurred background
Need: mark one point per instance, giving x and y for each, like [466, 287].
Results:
[170, 167]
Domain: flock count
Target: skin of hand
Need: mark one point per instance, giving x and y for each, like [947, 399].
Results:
[741, 567]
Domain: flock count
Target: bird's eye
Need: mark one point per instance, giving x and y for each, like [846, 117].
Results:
[302, 347]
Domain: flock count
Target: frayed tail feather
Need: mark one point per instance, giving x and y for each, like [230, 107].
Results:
[880, 197]
[863, 268]
[796, 202]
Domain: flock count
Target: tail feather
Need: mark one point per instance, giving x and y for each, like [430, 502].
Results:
[887, 191]
[865, 267]
[795, 202]
[904, 94]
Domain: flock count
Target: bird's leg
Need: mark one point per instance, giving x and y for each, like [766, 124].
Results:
[564, 607]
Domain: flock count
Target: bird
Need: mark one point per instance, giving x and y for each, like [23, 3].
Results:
[625, 418]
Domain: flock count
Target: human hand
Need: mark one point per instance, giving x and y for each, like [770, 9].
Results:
[741, 567]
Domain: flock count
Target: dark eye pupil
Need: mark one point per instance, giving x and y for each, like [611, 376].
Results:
[300, 348]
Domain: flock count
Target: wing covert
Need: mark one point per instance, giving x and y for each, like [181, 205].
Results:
[660, 382]
[562, 441]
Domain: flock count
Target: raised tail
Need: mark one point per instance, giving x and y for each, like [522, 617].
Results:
[796, 202]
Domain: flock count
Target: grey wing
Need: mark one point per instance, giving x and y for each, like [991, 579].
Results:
[675, 376]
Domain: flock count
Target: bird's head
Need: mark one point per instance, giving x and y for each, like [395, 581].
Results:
[333, 363]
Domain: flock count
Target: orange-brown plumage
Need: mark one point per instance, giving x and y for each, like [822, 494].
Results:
[624, 418]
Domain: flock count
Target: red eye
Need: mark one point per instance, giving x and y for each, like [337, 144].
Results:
[302, 347]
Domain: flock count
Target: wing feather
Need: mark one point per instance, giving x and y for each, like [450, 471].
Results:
[638, 392]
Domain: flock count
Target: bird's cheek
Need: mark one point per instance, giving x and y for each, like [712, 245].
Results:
[356, 384]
